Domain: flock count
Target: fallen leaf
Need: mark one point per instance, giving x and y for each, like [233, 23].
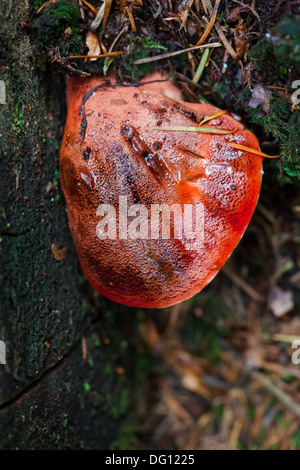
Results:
[58, 254]
[234, 14]
[93, 45]
[240, 37]
[183, 12]
[260, 96]
[173, 405]
[281, 302]
[295, 279]
[193, 383]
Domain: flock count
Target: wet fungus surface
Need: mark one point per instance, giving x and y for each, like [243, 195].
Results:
[124, 148]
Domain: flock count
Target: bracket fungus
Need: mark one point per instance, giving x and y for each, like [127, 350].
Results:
[134, 159]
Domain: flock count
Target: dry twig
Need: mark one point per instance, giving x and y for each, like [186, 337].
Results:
[210, 24]
[172, 54]
[277, 392]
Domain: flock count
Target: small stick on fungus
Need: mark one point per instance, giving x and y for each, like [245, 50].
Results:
[213, 116]
[202, 130]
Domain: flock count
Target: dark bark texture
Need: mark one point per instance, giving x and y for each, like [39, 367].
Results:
[53, 395]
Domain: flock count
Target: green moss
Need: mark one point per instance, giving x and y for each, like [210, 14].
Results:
[56, 175]
[296, 438]
[276, 60]
[220, 95]
[127, 439]
[136, 52]
[284, 125]
[120, 403]
[141, 48]
[52, 23]
[218, 411]
[221, 18]
[18, 124]
[281, 123]
[148, 43]
[278, 53]
[287, 41]
[264, 58]
[59, 32]
[36, 4]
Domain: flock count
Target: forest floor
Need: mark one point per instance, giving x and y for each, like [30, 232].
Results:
[217, 371]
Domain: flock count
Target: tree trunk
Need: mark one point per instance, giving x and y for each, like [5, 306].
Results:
[57, 390]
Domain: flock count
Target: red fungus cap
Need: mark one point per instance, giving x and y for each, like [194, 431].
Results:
[110, 149]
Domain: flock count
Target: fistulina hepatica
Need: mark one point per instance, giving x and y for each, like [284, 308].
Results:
[135, 162]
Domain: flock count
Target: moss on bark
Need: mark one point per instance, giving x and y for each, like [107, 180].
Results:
[49, 397]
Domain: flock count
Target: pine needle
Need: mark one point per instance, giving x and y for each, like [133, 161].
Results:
[202, 130]
[106, 12]
[201, 66]
[213, 116]
[131, 19]
[172, 54]
[219, 30]
[250, 150]
[99, 56]
[210, 24]
[91, 7]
